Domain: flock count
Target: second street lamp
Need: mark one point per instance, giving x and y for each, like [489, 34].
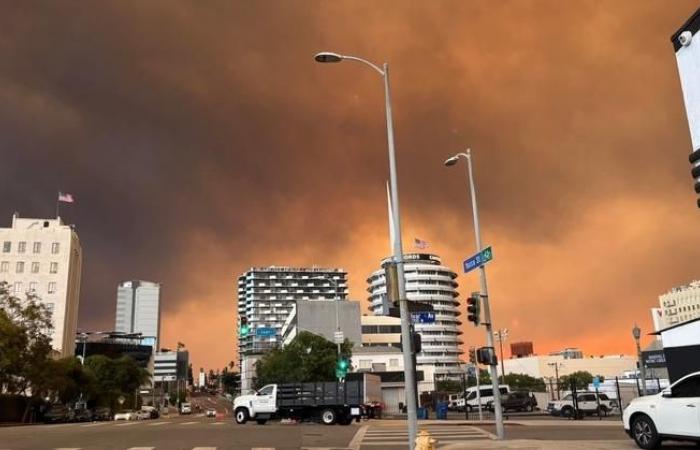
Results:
[498, 411]
[411, 401]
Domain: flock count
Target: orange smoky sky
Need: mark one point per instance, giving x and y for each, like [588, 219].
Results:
[200, 139]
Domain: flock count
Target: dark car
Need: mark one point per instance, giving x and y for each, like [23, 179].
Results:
[82, 415]
[517, 401]
[102, 413]
[58, 413]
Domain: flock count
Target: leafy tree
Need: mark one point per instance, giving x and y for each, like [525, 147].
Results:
[115, 378]
[307, 358]
[25, 359]
[581, 377]
[523, 381]
[450, 386]
[484, 378]
[230, 382]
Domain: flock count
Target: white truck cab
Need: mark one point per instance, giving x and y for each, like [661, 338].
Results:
[259, 406]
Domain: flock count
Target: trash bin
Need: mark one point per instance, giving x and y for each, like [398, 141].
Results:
[441, 411]
[422, 413]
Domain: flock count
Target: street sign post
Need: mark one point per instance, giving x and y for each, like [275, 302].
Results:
[338, 337]
[478, 260]
[264, 331]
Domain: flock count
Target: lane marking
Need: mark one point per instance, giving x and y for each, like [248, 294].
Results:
[357, 439]
[126, 424]
[96, 424]
[157, 424]
[188, 423]
[141, 448]
[204, 448]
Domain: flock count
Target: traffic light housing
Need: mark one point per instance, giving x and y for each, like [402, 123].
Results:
[474, 308]
[243, 328]
[472, 356]
[341, 368]
[391, 280]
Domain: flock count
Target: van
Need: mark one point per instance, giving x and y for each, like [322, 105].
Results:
[185, 408]
[486, 395]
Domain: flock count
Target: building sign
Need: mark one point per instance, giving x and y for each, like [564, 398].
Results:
[654, 359]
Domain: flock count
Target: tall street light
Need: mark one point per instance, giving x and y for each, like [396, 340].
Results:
[328, 57]
[637, 333]
[493, 369]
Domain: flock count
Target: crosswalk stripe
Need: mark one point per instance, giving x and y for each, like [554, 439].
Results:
[188, 423]
[157, 424]
[67, 448]
[204, 448]
[218, 423]
[141, 448]
[96, 424]
[126, 424]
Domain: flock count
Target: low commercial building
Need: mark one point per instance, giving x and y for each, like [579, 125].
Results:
[115, 345]
[381, 331]
[681, 344]
[548, 366]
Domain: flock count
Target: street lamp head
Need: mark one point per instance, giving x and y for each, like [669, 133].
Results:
[451, 161]
[328, 57]
[636, 332]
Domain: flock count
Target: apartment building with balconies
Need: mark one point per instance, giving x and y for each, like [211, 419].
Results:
[680, 304]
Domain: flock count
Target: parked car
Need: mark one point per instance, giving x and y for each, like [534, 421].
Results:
[185, 408]
[587, 404]
[142, 415]
[102, 413]
[516, 401]
[150, 411]
[82, 415]
[671, 414]
[453, 401]
[211, 413]
[125, 415]
[58, 413]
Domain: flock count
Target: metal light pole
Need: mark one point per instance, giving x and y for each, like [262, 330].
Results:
[637, 333]
[337, 315]
[411, 403]
[501, 335]
[500, 432]
[556, 366]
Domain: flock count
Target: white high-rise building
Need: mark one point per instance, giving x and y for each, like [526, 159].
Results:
[680, 304]
[44, 256]
[428, 281]
[138, 310]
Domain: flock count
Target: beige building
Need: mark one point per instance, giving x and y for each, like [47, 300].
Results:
[381, 331]
[546, 367]
[44, 257]
[680, 304]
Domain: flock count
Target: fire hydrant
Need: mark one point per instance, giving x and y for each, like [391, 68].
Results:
[424, 441]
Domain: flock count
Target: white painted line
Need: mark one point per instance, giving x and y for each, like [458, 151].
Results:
[96, 424]
[188, 423]
[67, 448]
[204, 448]
[157, 424]
[126, 424]
[357, 439]
[141, 448]
[218, 423]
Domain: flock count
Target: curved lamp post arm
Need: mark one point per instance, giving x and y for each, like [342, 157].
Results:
[364, 61]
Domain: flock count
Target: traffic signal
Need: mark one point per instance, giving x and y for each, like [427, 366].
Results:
[474, 308]
[694, 159]
[341, 368]
[244, 328]
[391, 279]
[472, 356]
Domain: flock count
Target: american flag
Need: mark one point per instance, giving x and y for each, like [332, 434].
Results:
[65, 197]
[420, 244]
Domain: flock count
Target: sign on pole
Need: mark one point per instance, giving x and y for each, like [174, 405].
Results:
[264, 331]
[478, 260]
[423, 317]
[338, 337]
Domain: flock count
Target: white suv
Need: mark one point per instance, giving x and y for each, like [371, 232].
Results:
[674, 413]
[587, 403]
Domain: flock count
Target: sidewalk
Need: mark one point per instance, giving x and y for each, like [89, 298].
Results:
[538, 423]
[529, 444]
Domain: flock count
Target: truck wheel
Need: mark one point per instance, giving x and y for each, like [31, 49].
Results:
[241, 416]
[644, 432]
[328, 416]
[261, 421]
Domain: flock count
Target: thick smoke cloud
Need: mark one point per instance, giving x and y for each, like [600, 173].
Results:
[201, 139]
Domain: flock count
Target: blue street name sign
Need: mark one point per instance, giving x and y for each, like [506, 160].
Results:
[596, 382]
[265, 332]
[423, 317]
[478, 260]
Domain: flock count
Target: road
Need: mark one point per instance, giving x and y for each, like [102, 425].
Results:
[197, 432]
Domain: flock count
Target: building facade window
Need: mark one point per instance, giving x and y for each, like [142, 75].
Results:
[32, 286]
[53, 268]
[35, 267]
[52, 287]
[21, 247]
[18, 287]
[54, 248]
[37, 247]
[6, 246]
[4, 267]
[19, 267]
